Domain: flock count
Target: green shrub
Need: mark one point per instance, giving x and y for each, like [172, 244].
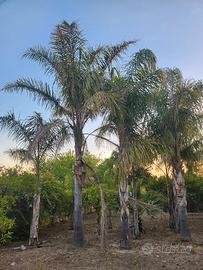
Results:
[6, 223]
[155, 192]
[155, 189]
[152, 202]
[112, 199]
[194, 185]
[55, 201]
[20, 186]
[92, 199]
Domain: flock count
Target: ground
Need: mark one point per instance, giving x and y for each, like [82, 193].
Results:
[158, 248]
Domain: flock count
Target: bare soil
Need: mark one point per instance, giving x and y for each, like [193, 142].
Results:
[158, 248]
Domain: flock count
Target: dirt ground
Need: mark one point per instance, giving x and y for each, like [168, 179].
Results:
[158, 248]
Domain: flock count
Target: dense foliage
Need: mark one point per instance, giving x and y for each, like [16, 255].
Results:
[17, 188]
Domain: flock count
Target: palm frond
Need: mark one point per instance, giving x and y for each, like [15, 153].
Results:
[142, 151]
[20, 154]
[113, 53]
[100, 102]
[93, 55]
[145, 59]
[43, 56]
[193, 151]
[37, 90]
[49, 136]
[15, 127]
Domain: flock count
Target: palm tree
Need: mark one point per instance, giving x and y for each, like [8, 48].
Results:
[128, 124]
[176, 124]
[77, 92]
[36, 138]
[192, 154]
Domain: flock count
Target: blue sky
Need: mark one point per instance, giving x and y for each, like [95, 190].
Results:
[173, 29]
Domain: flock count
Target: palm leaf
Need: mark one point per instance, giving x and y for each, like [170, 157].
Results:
[37, 90]
[16, 128]
[44, 57]
[113, 53]
[20, 154]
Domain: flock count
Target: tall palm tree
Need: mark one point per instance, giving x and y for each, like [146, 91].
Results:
[36, 138]
[77, 92]
[177, 122]
[128, 124]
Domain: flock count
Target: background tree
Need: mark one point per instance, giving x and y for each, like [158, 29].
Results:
[128, 123]
[36, 138]
[77, 92]
[176, 124]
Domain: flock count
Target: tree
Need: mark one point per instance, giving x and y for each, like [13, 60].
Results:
[192, 155]
[176, 124]
[77, 93]
[128, 123]
[36, 138]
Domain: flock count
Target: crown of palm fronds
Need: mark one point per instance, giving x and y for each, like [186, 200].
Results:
[128, 122]
[37, 136]
[178, 107]
[79, 74]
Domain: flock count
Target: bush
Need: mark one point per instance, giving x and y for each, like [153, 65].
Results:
[55, 201]
[155, 192]
[92, 200]
[194, 185]
[6, 223]
[20, 186]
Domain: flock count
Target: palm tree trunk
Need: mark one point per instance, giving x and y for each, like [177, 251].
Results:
[171, 203]
[136, 231]
[35, 220]
[123, 195]
[181, 220]
[123, 189]
[34, 228]
[78, 215]
[102, 220]
[78, 184]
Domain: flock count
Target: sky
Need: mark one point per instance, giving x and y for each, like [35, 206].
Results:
[173, 29]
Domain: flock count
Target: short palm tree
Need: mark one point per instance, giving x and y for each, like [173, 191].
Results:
[77, 93]
[128, 124]
[177, 124]
[36, 138]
